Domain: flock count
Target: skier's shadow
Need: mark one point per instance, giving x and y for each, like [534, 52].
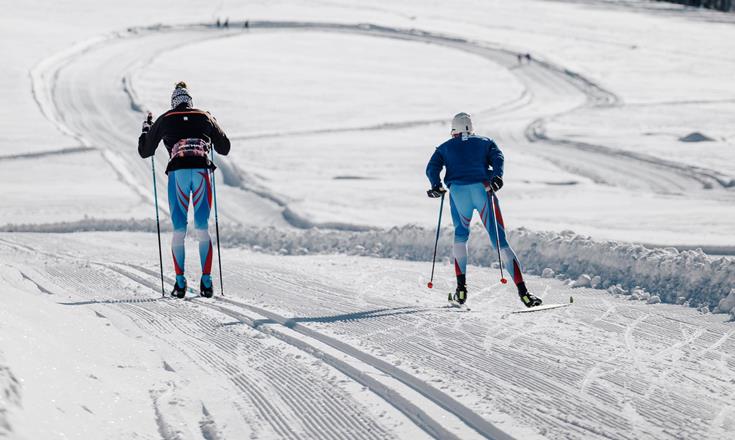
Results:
[342, 317]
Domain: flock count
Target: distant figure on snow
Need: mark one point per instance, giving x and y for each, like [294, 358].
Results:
[474, 173]
[188, 134]
[219, 24]
[227, 22]
[246, 25]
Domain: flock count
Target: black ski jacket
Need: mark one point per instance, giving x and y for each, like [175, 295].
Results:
[179, 124]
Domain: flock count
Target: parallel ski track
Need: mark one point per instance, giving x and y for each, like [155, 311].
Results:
[501, 364]
[307, 407]
[445, 358]
[473, 420]
[311, 406]
[556, 387]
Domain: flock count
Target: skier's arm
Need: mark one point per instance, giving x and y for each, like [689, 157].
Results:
[495, 159]
[434, 168]
[219, 138]
[148, 141]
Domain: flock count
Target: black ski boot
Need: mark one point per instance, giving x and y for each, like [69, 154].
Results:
[179, 291]
[529, 300]
[205, 291]
[460, 295]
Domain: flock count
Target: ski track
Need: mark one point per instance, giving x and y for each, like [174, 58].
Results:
[432, 427]
[305, 407]
[516, 366]
[445, 359]
[88, 91]
[47, 153]
[568, 397]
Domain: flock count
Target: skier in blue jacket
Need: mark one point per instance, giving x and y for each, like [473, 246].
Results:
[474, 172]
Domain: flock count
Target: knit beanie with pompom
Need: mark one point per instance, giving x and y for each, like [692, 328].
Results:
[180, 95]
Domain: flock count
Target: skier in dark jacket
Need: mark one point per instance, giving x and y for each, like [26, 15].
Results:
[474, 172]
[188, 134]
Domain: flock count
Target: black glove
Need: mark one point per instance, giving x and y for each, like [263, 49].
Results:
[147, 123]
[495, 184]
[436, 192]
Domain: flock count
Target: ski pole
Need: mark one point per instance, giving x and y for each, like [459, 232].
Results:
[158, 222]
[436, 242]
[216, 228]
[497, 235]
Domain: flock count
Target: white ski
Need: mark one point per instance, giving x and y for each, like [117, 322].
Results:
[542, 307]
[455, 305]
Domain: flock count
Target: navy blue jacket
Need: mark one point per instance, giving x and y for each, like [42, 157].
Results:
[474, 160]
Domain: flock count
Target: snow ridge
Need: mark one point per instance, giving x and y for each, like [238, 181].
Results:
[667, 272]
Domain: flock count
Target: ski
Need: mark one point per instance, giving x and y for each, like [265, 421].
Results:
[460, 307]
[454, 304]
[542, 307]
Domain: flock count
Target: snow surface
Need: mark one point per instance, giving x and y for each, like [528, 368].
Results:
[258, 360]
[334, 108]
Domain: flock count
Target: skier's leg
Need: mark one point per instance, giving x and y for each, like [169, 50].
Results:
[202, 197]
[492, 213]
[507, 255]
[179, 185]
[461, 206]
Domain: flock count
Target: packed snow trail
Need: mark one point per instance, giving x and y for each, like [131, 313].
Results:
[88, 92]
[165, 318]
[604, 367]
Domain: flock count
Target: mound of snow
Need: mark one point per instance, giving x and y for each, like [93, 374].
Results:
[727, 304]
[584, 280]
[547, 273]
[665, 272]
[617, 289]
[695, 137]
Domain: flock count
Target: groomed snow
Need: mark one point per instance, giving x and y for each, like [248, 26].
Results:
[254, 362]
[334, 108]
[273, 80]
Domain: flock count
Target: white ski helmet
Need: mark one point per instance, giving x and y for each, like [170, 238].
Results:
[462, 124]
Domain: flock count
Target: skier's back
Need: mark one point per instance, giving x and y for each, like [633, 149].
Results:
[188, 134]
[474, 172]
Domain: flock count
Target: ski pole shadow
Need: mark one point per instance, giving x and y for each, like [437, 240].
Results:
[115, 301]
[342, 317]
[346, 317]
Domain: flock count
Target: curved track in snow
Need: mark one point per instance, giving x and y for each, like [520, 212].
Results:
[87, 92]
